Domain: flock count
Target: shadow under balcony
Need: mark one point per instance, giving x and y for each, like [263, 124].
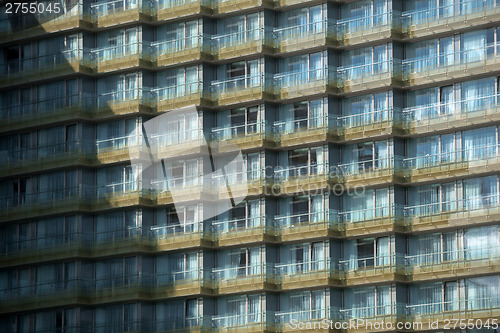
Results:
[128, 101]
[42, 112]
[468, 212]
[184, 50]
[172, 9]
[182, 284]
[49, 157]
[250, 136]
[120, 12]
[451, 66]
[305, 83]
[361, 77]
[313, 225]
[371, 221]
[258, 277]
[250, 230]
[44, 67]
[302, 132]
[305, 178]
[119, 149]
[368, 29]
[375, 172]
[182, 95]
[480, 110]
[29, 25]
[240, 44]
[453, 263]
[379, 123]
[116, 58]
[241, 89]
[185, 235]
[371, 270]
[306, 36]
[309, 274]
[449, 17]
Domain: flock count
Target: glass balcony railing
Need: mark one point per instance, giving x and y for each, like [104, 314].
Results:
[178, 183]
[465, 59]
[120, 234]
[186, 276]
[44, 288]
[182, 324]
[481, 202]
[310, 123]
[448, 11]
[45, 242]
[306, 267]
[250, 319]
[243, 130]
[316, 169]
[326, 27]
[204, 42]
[142, 49]
[295, 220]
[142, 94]
[361, 24]
[178, 91]
[457, 256]
[119, 188]
[372, 262]
[286, 317]
[169, 137]
[372, 213]
[444, 308]
[370, 71]
[460, 110]
[46, 107]
[371, 166]
[177, 229]
[242, 37]
[369, 311]
[371, 118]
[118, 143]
[481, 154]
[165, 4]
[238, 272]
[263, 81]
[240, 224]
[326, 75]
[105, 8]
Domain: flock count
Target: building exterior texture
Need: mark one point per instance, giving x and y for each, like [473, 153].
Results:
[369, 131]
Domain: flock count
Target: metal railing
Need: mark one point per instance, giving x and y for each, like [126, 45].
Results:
[301, 171]
[256, 318]
[142, 94]
[369, 71]
[372, 165]
[327, 26]
[325, 216]
[392, 115]
[374, 262]
[179, 90]
[369, 311]
[241, 37]
[142, 48]
[468, 255]
[237, 272]
[285, 317]
[164, 4]
[372, 213]
[305, 267]
[263, 81]
[327, 75]
[105, 8]
[180, 228]
[234, 131]
[123, 142]
[180, 44]
[324, 121]
[390, 18]
[458, 305]
[239, 224]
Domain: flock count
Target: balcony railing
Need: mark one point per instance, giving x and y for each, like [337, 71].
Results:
[327, 27]
[186, 276]
[242, 37]
[118, 143]
[306, 267]
[240, 224]
[316, 169]
[468, 255]
[105, 8]
[482, 154]
[164, 4]
[450, 110]
[371, 118]
[373, 262]
[310, 123]
[352, 25]
[294, 220]
[371, 166]
[177, 229]
[372, 213]
[285, 317]
[430, 15]
[45, 242]
[142, 94]
[453, 206]
[370, 71]
[142, 49]
[243, 130]
[182, 323]
[251, 319]
[467, 59]
[459, 305]
[182, 44]
[179, 90]
[242, 82]
[249, 271]
[369, 311]
[327, 75]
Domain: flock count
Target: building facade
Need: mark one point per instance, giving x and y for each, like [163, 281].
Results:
[370, 135]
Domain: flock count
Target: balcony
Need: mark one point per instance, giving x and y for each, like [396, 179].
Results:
[305, 83]
[480, 308]
[115, 58]
[28, 26]
[378, 123]
[183, 50]
[183, 283]
[42, 67]
[450, 264]
[250, 230]
[246, 88]
[77, 106]
[118, 149]
[310, 274]
[253, 322]
[174, 144]
[252, 136]
[258, 277]
[375, 220]
[457, 163]
[461, 212]
[373, 172]
[53, 156]
[311, 225]
[449, 17]
[370, 270]
[122, 288]
[172, 9]
[389, 314]
[29, 205]
[370, 28]
[127, 101]
[184, 324]
[123, 194]
[451, 66]
[453, 115]
[237, 186]
[120, 12]
[306, 36]
[182, 235]
[305, 178]
[121, 241]
[357, 78]
[311, 319]
[181, 95]
[301, 132]
[231, 6]
[240, 44]
[184, 189]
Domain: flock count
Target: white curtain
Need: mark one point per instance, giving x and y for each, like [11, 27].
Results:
[473, 46]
